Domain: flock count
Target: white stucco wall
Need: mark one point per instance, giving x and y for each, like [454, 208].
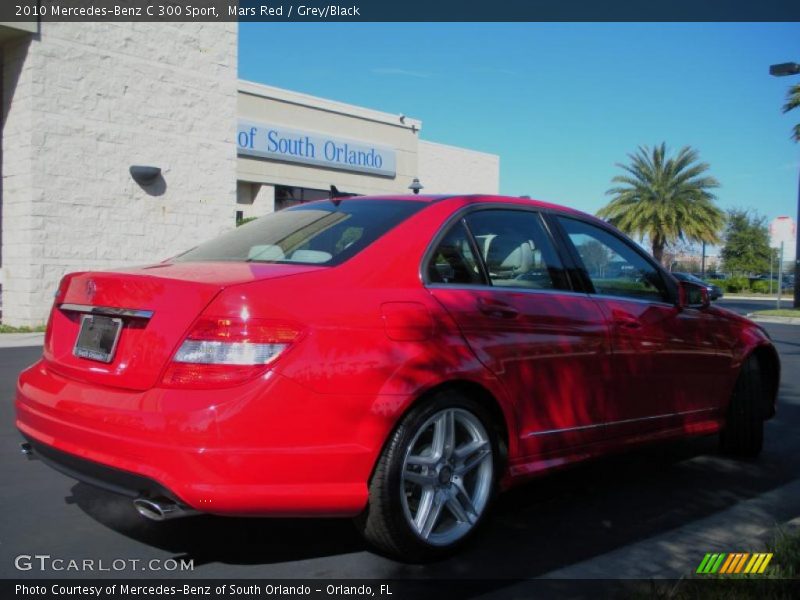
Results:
[448, 169]
[255, 199]
[85, 101]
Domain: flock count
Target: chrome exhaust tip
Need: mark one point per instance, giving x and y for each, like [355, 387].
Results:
[160, 509]
[27, 451]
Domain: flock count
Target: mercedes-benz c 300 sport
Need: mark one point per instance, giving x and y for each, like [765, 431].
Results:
[393, 359]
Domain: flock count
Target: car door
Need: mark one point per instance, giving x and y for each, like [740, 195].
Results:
[666, 368]
[497, 273]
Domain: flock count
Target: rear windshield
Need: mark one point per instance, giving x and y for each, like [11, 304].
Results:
[324, 233]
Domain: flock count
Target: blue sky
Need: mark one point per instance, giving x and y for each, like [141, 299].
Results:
[562, 103]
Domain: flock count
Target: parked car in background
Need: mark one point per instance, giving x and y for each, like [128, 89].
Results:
[714, 291]
[787, 281]
[393, 359]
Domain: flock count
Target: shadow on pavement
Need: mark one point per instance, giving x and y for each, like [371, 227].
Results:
[546, 524]
[230, 540]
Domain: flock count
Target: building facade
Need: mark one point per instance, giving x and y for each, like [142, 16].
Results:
[85, 102]
[293, 147]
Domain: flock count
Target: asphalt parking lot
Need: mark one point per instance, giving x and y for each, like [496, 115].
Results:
[548, 525]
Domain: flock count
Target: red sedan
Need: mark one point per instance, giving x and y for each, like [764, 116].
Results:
[393, 359]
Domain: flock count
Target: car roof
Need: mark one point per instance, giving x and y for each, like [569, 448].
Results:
[473, 199]
[483, 199]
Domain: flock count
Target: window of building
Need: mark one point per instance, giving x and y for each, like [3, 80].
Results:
[286, 196]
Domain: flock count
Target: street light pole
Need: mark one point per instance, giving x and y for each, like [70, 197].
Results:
[796, 285]
[782, 70]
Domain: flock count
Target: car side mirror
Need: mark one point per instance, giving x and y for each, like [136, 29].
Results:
[693, 295]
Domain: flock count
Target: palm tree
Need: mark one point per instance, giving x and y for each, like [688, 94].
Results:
[793, 101]
[666, 199]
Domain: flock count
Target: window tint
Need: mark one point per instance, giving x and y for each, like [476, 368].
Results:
[317, 233]
[689, 277]
[614, 267]
[515, 249]
[453, 260]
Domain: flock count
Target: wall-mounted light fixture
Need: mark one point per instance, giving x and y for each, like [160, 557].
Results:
[144, 175]
[416, 186]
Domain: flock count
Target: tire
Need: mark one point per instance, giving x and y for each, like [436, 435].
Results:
[743, 432]
[434, 481]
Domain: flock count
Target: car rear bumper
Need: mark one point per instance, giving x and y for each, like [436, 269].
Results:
[96, 474]
[269, 447]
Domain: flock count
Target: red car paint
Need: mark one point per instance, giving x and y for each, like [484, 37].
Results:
[571, 374]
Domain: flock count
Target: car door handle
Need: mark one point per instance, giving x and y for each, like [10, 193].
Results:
[627, 322]
[494, 308]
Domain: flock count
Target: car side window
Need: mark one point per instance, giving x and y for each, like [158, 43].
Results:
[516, 249]
[614, 268]
[453, 260]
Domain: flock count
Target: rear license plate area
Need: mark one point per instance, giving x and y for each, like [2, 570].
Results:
[97, 338]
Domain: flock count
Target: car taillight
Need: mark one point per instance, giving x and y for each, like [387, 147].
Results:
[225, 351]
[58, 298]
[61, 290]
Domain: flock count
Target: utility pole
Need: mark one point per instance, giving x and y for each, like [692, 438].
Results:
[782, 70]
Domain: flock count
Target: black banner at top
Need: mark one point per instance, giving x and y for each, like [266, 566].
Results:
[34, 11]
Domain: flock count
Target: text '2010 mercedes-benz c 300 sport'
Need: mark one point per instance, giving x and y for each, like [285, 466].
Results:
[393, 359]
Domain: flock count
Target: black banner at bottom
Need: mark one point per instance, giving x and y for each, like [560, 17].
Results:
[406, 589]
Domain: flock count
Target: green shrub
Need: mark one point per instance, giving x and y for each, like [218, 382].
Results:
[762, 287]
[786, 547]
[22, 329]
[736, 284]
[245, 220]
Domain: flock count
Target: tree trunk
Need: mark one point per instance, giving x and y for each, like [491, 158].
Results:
[658, 250]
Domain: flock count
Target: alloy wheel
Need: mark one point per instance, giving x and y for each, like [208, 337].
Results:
[447, 476]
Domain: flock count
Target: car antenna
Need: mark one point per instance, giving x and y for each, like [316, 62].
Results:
[336, 196]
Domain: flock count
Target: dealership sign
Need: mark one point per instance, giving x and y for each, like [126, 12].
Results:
[781, 231]
[312, 148]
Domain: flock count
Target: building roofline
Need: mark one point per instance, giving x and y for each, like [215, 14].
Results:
[332, 106]
[460, 148]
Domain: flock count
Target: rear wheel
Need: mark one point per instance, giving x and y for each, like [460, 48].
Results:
[434, 481]
[743, 434]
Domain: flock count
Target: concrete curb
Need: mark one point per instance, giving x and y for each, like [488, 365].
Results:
[787, 298]
[766, 319]
[21, 340]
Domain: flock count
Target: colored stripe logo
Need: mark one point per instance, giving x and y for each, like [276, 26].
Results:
[734, 562]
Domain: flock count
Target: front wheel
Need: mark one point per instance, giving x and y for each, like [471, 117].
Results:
[434, 481]
[743, 432]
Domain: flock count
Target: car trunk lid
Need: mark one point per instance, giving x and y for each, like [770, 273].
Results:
[153, 307]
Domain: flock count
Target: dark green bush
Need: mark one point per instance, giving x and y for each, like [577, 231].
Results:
[762, 287]
[246, 220]
[736, 284]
